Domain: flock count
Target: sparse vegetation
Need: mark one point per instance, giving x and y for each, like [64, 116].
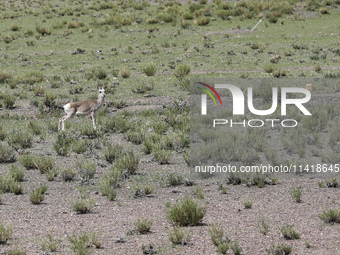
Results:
[143, 226]
[185, 213]
[289, 232]
[150, 54]
[332, 215]
[5, 233]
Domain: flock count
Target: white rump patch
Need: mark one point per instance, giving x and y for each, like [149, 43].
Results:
[67, 107]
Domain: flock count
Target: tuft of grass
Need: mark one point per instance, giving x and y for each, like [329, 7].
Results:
[289, 232]
[112, 152]
[8, 101]
[161, 155]
[84, 203]
[68, 174]
[38, 195]
[50, 243]
[80, 244]
[5, 233]
[248, 203]
[296, 194]
[174, 179]
[330, 216]
[125, 73]
[280, 249]
[149, 69]
[262, 225]
[143, 226]
[185, 213]
[202, 21]
[198, 192]
[16, 173]
[235, 247]
[20, 139]
[28, 161]
[179, 236]
[181, 71]
[80, 146]
[129, 161]
[44, 164]
[6, 154]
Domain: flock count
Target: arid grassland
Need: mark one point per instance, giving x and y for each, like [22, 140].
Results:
[127, 187]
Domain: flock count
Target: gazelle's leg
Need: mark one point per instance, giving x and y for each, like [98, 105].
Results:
[93, 120]
[69, 115]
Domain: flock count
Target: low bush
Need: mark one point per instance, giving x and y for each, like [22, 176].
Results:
[179, 236]
[289, 232]
[332, 215]
[5, 233]
[185, 213]
[143, 226]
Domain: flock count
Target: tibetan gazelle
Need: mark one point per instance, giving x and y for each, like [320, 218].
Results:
[88, 107]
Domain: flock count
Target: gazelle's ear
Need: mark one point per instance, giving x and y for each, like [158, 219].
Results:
[105, 86]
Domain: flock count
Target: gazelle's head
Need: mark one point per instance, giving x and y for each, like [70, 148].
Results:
[102, 91]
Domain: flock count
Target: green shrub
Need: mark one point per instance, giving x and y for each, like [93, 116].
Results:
[34, 77]
[113, 152]
[8, 101]
[6, 154]
[296, 194]
[289, 233]
[5, 233]
[43, 30]
[179, 236]
[100, 73]
[28, 161]
[125, 73]
[198, 192]
[2, 134]
[50, 243]
[248, 203]
[16, 173]
[129, 161]
[80, 244]
[84, 203]
[4, 75]
[143, 226]
[44, 164]
[20, 139]
[235, 247]
[7, 39]
[280, 249]
[324, 10]
[51, 174]
[109, 181]
[262, 225]
[202, 21]
[332, 215]
[79, 146]
[68, 174]
[16, 251]
[149, 69]
[216, 234]
[37, 196]
[185, 213]
[62, 144]
[181, 71]
[16, 188]
[174, 179]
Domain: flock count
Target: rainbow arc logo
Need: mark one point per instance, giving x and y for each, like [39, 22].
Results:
[204, 96]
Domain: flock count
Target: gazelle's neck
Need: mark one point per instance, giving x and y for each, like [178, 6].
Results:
[100, 100]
